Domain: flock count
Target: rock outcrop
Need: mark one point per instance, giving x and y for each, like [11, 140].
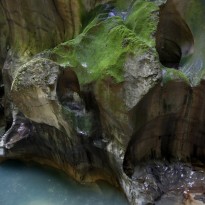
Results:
[105, 90]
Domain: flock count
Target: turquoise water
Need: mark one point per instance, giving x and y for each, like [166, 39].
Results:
[22, 184]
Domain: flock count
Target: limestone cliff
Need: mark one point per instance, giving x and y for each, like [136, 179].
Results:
[107, 90]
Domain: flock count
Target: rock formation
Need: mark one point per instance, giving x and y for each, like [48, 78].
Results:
[108, 90]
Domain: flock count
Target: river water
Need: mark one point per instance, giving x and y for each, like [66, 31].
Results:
[22, 184]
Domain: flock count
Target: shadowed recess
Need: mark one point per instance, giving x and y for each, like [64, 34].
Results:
[68, 88]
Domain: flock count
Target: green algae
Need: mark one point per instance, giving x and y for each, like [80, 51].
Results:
[143, 20]
[171, 74]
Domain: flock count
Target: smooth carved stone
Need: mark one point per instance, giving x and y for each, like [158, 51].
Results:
[171, 129]
[34, 91]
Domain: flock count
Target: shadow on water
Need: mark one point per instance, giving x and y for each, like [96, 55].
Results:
[31, 184]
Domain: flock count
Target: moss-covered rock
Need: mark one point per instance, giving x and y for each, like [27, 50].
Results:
[170, 74]
[101, 49]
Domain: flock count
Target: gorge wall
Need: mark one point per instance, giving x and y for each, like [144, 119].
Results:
[109, 90]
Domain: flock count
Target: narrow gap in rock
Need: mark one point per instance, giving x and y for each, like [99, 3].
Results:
[92, 107]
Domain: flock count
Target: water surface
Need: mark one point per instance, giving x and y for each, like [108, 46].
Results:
[23, 184]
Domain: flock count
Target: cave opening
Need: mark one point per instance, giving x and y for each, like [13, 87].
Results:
[174, 39]
[81, 103]
[68, 90]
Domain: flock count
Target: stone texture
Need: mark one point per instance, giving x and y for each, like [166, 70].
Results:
[170, 129]
[32, 26]
[100, 106]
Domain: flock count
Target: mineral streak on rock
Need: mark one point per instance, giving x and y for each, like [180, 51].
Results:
[108, 90]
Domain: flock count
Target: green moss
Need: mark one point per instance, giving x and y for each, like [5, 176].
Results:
[100, 50]
[143, 20]
[170, 74]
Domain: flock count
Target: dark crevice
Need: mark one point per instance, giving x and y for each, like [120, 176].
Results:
[81, 104]
[89, 98]
[92, 106]
[8, 124]
[1, 91]
[2, 117]
[68, 90]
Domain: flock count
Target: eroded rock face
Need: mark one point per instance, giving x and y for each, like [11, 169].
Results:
[32, 26]
[100, 106]
[170, 129]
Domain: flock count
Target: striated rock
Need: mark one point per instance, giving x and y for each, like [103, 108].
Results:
[171, 129]
[101, 103]
[32, 26]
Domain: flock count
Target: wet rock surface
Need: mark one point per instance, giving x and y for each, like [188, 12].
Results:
[162, 180]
